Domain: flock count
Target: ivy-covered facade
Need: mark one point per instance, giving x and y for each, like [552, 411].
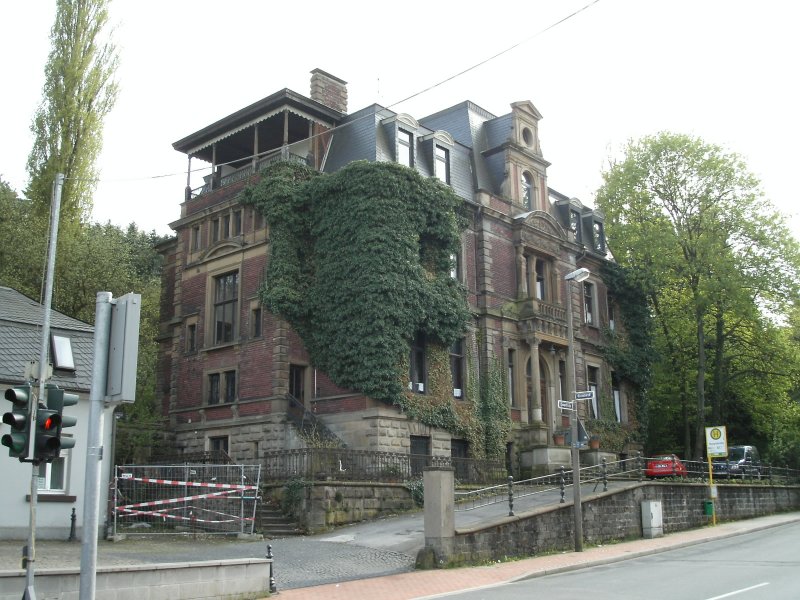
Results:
[397, 283]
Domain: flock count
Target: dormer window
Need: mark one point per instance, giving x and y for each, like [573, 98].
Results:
[405, 148]
[599, 237]
[575, 225]
[526, 187]
[441, 164]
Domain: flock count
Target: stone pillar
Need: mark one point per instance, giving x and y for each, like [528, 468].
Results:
[440, 529]
[522, 275]
[536, 410]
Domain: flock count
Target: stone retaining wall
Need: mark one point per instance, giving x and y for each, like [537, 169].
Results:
[616, 516]
[328, 504]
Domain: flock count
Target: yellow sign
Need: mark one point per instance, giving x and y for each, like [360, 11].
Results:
[716, 442]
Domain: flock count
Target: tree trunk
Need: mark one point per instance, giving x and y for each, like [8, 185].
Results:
[700, 436]
[719, 358]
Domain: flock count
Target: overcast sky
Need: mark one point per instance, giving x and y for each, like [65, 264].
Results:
[723, 70]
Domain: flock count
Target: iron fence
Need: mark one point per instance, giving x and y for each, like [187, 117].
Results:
[185, 499]
[343, 464]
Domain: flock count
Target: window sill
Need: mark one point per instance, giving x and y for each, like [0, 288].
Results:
[45, 496]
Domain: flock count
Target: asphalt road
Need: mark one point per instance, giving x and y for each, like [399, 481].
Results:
[763, 565]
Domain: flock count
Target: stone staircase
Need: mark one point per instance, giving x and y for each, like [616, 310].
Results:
[272, 523]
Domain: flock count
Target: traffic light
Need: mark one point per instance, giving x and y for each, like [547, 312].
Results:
[57, 399]
[19, 420]
[46, 443]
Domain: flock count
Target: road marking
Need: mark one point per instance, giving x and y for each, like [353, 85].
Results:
[729, 594]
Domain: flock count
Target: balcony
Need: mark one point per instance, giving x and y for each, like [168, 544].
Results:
[212, 182]
[543, 317]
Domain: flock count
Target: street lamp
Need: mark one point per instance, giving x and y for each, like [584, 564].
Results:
[579, 275]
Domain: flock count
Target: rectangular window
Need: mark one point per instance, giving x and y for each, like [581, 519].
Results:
[420, 451]
[52, 476]
[540, 279]
[255, 322]
[512, 399]
[218, 444]
[236, 223]
[537, 272]
[213, 388]
[416, 375]
[226, 303]
[593, 374]
[191, 337]
[575, 225]
[459, 451]
[214, 230]
[226, 227]
[230, 386]
[615, 394]
[457, 368]
[195, 242]
[441, 167]
[588, 303]
[297, 380]
[599, 238]
[405, 153]
[258, 220]
[612, 322]
[455, 266]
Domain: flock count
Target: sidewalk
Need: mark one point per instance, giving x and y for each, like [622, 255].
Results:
[418, 585]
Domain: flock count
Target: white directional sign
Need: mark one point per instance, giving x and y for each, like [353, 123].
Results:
[566, 405]
[584, 395]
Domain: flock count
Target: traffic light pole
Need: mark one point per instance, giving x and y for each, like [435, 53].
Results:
[30, 550]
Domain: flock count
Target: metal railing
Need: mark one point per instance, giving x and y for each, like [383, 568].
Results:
[214, 183]
[309, 425]
[626, 469]
[344, 464]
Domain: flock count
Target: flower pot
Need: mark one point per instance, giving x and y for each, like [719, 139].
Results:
[558, 439]
[594, 443]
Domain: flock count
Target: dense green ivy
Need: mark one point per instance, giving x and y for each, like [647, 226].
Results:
[359, 263]
[631, 353]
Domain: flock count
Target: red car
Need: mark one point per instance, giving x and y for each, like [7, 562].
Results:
[665, 465]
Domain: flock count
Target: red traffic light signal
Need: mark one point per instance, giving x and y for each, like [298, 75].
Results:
[48, 444]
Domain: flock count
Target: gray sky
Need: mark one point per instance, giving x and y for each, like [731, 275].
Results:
[723, 70]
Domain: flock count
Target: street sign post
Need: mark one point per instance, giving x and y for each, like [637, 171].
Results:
[584, 395]
[716, 447]
[566, 405]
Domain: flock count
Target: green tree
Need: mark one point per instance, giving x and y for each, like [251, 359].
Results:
[21, 248]
[79, 91]
[720, 260]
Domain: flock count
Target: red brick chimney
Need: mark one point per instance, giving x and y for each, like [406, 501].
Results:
[329, 90]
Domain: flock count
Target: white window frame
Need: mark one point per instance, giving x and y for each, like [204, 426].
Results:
[45, 483]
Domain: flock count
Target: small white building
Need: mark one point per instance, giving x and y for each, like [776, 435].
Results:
[61, 483]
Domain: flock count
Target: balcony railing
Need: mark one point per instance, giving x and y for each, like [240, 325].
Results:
[544, 317]
[213, 184]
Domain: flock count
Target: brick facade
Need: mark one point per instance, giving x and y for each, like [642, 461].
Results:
[226, 373]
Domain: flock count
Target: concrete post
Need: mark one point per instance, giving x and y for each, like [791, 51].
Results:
[440, 527]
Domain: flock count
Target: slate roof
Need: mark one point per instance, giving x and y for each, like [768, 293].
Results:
[21, 339]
